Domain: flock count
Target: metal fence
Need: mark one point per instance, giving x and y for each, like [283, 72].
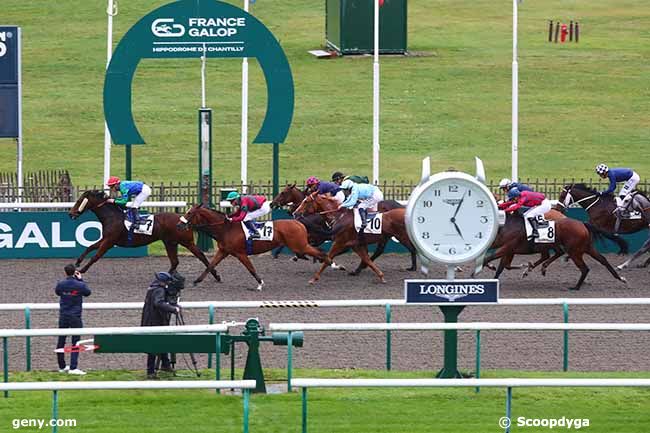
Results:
[189, 192]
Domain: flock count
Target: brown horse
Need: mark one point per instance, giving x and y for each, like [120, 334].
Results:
[231, 239]
[319, 231]
[600, 209]
[114, 233]
[345, 234]
[572, 237]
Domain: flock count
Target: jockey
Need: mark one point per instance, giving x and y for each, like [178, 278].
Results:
[248, 208]
[615, 175]
[314, 184]
[506, 185]
[339, 177]
[536, 202]
[128, 189]
[368, 195]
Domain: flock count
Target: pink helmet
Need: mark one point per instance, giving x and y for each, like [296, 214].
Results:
[113, 180]
[313, 180]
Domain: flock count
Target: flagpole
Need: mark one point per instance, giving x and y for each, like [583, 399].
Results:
[375, 101]
[244, 117]
[515, 95]
[111, 11]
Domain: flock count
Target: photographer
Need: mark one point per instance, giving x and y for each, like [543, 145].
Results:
[159, 304]
[71, 290]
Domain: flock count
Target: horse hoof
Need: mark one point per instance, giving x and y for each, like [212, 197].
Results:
[294, 258]
[195, 282]
[574, 288]
[621, 266]
[411, 269]
[382, 280]
[624, 280]
[312, 281]
[354, 273]
[258, 288]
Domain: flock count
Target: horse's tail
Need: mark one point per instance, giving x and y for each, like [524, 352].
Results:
[598, 234]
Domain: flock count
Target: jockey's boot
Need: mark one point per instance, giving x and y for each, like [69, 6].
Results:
[250, 225]
[533, 225]
[134, 217]
[363, 214]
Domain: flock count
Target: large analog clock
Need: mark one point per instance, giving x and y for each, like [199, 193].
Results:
[452, 218]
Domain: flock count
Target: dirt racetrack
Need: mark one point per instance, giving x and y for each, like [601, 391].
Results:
[114, 280]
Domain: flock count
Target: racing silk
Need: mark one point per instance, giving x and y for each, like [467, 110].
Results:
[617, 175]
[128, 189]
[359, 191]
[528, 199]
[358, 179]
[520, 186]
[247, 203]
[328, 187]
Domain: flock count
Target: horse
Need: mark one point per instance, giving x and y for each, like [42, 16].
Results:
[231, 239]
[319, 231]
[571, 236]
[601, 208]
[114, 232]
[345, 234]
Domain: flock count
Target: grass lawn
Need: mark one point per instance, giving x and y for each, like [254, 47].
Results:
[388, 410]
[580, 104]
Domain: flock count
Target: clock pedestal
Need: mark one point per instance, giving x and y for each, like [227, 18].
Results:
[450, 368]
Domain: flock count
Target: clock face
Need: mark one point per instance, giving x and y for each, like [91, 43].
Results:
[452, 218]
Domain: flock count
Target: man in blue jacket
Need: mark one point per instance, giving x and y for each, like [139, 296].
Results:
[71, 290]
[615, 175]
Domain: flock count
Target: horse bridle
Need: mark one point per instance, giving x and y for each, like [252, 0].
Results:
[568, 197]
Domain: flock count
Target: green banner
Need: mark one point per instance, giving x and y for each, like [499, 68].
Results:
[28, 235]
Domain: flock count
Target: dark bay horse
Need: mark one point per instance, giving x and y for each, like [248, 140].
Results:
[345, 234]
[317, 227]
[231, 239]
[572, 237]
[600, 209]
[114, 233]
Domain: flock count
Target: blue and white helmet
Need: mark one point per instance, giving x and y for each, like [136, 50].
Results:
[347, 184]
[514, 193]
[602, 169]
[504, 183]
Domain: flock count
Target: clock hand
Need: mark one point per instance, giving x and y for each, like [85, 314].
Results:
[457, 229]
[460, 203]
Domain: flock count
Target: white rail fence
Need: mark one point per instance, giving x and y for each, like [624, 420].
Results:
[388, 304]
[70, 204]
[305, 383]
[55, 387]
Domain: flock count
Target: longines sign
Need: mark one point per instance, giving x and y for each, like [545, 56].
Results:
[451, 292]
[27, 235]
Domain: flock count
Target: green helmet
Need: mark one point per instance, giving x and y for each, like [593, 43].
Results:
[232, 195]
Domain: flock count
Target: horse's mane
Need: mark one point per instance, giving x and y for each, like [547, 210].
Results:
[95, 192]
[583, 187]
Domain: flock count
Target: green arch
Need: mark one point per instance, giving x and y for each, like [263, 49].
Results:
[236, 34]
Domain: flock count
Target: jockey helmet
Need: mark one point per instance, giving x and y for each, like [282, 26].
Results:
[163, 277]
[313, 180]
[504, 183]
[337, 175]
[513, 193]
[602, 169]
[347, 184]
[233, 195]
[113, 180]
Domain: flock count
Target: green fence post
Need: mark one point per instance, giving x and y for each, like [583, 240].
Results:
[5, 362]
[565, 364]
[304, 410]
[247, 393]
[210, 321]
[55, 410]
[508, 409]
[388, 342]
[28, 341]
[289, 359]
[478, 356]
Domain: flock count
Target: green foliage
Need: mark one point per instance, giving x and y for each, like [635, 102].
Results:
[579, 103]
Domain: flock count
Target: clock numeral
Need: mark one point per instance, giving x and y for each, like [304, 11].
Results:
[427, 203]
[436, 192]
[453, 188]
[480, 203]
[484, 219]
[436, 247]
[479, 235]
[425, 235]
[452, 250]
[469, 193]
[468, 247]
[421, 219]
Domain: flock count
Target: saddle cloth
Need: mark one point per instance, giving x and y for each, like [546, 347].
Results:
[145, 227]
[545, 228]
[632, 212]
[375, 222]
[264, 229]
